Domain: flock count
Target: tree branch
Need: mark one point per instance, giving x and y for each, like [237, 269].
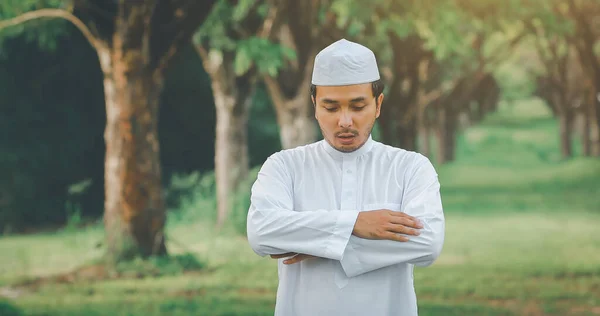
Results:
[429, 98]
[274, 91]
[271, 25]
[501, 55]
[588, 38]
[173, 23]
[214, 65]
[204, 56]
[299, 14]
[53, 13]
[330, 31]
[252, 22]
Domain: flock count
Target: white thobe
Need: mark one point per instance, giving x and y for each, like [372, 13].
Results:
[307, 199]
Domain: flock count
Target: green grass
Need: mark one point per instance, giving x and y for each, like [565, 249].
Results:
[522, 239]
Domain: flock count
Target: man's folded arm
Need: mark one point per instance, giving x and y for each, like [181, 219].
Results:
[273, 227]
[422, 200]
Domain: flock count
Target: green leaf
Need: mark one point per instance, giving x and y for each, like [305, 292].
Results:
[402, 26]
[242, 62]
[288, 53]
[242, 9]
[44, 32]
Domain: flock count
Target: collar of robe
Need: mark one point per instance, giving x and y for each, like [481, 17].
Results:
[365, 148]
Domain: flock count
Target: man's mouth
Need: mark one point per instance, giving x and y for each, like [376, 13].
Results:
[346, 138]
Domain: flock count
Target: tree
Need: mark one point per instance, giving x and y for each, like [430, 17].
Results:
[391, 28]
[434, 55]
[583, 14]
[491, 32]
[134, 41]
[306, 27]
[565, 39]
[560, 84]
[235, 48]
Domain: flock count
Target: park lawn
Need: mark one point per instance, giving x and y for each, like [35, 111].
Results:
[516, 264]
[522, 238]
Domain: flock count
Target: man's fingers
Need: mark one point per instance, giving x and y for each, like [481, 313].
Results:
[297, 259]
[401, 229]
[395, 237]
[283, 255]
[406, 220]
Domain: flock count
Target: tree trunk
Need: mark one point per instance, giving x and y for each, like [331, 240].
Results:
[566, 128]
[231, 146]
[396, 135]
[133, 50]
[407, 135]
[487, 98]
[386, 126]
[594, 139]
[293, 105]
[394, 132]
[134, 207]
[586, 132]
[423, 110]
[446, 135]
[545, 90]
[233, 95]
[477, 112]
[424, 135]
[426, 150]
[296, 123]
[595, 119]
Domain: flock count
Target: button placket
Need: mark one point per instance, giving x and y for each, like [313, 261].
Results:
[349, 185]
[348, 203]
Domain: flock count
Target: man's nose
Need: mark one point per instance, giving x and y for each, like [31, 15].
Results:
[345, 120]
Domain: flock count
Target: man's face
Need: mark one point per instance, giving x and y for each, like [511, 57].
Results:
[346, 114]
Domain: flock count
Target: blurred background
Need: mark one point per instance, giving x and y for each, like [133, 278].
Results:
[132, 131]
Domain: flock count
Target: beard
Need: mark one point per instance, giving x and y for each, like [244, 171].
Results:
[348, 149]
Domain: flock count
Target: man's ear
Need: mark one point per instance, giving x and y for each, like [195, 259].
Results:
[314, 105]
[379, 103]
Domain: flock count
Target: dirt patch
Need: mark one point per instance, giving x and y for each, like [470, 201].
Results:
[575, 274]
[516, 306]
[85, 274]
[80, 275]
[503, 303]
[587, 310]
[532, 308]
[188, 294]
[11, 293]
[524, 308]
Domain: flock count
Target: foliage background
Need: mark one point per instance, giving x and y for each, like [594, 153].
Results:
[523, 221]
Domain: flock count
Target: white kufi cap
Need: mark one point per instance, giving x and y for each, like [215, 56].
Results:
[344, 63]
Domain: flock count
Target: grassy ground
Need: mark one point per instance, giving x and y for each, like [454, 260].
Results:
[522, 239]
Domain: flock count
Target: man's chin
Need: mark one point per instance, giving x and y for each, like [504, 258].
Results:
[346, 148]
[354, 145]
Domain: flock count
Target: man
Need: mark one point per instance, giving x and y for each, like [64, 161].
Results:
[347, 217]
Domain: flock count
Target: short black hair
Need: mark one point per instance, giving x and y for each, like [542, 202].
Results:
[377, 87]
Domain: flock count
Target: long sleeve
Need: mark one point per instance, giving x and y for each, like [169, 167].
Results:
[421, 200]
[274, 227]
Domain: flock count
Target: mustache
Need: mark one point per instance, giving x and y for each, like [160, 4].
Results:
[347, 131]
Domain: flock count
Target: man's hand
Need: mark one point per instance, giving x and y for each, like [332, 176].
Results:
[385, 224]
[295, 257]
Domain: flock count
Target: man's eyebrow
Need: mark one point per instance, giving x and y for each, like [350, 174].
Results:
[359, 99]
[355, 100]
[330, 101]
